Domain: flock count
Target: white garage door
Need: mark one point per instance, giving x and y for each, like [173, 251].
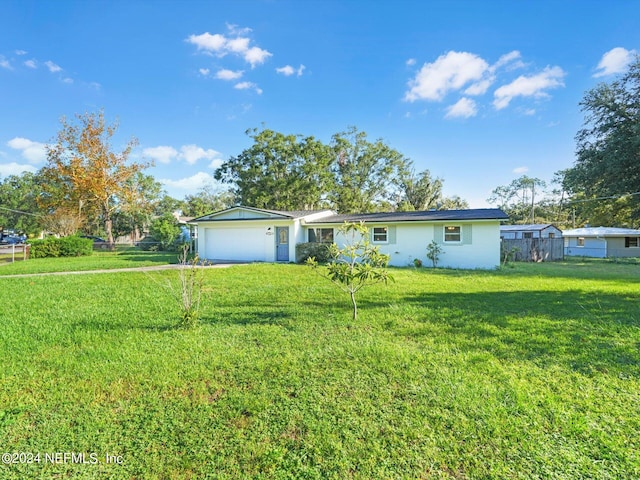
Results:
[244, 244]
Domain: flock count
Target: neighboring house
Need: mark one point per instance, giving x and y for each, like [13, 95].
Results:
[602, 242]
[470, 238]
[543, 230]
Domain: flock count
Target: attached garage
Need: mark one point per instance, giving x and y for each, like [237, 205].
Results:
[247, 234]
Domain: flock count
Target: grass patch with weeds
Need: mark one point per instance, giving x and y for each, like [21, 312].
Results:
[528, 372]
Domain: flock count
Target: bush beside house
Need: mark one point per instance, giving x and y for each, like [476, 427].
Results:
[319, 251]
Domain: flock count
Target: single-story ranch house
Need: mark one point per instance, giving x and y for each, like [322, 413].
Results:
[469, 238]
[543, 230]
[602, 242]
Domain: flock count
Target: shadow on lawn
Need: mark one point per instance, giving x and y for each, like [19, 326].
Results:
[587, 333]
[245, 316]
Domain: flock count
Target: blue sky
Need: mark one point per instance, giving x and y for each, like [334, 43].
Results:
[477, 92]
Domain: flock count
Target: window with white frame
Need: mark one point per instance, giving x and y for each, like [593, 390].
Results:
[452, 233]
[581, 241]
[380, 234]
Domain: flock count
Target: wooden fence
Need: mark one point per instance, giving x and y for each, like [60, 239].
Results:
[534, 249]
[13, 252]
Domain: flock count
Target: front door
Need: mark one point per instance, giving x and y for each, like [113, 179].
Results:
[282, 244]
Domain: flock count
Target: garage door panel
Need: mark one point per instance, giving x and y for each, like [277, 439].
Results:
[245, 244]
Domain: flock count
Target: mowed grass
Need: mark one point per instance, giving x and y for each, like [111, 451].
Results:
[528, 372]
[122, 258]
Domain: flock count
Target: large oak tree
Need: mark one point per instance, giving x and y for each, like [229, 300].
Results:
[367, 174]
[279, 172]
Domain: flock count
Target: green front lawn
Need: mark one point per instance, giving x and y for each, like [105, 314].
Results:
[122, 258]
[528, 372]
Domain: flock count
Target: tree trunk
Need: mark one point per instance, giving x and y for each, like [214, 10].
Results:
[355, 306]
[108, 228]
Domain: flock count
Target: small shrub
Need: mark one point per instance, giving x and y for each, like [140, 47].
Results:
[434, 250]
[166, 230]
[417, 263]
[72, 246]
[319, 251]
[509, 255]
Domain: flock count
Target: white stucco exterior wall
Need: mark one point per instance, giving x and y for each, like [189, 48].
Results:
[411, 240]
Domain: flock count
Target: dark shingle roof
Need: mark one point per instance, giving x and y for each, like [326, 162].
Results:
[425, 216]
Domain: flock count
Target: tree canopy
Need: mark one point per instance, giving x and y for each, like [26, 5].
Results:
[18, 199]
[207, 200]
[367, 174]
[351, 174]
[280, 172]
[518, 199]
[605, 180]
[84, 175]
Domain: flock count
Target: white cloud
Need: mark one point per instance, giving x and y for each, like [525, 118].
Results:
[189, 184]
[161, 153]
[481, 87]
[225, 74]
[215, 163]
[189, 153]
[256, 56]
[520, 170]
[463, 108]
[512, 58]
[238, 45]
[614, 61]
[529, 112]
[31, 64]
[411, 62]
[288, 70]
[236, 30]
[67, 80]
[192, 153]
[53, 68]
[14, 168]
[529, 86]
[455, 71]
[208, 42]
[220, 45]
[248, 86]
[21, 52]
[4, 63]
[204, 71]
[33, 152]
[449, 72]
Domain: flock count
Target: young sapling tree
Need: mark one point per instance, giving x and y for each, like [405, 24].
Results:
[434, 250]
[356, 265]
